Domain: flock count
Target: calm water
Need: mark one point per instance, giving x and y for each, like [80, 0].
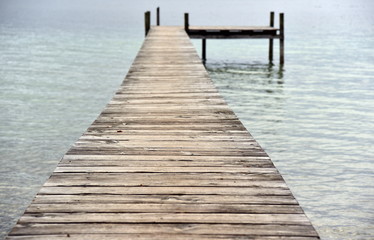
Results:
[62, 60]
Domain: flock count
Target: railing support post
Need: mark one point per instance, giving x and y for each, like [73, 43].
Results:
[271, 40]
[147, 22]
[158, 16]
[186, 22]
[204, 50]
[281, 39]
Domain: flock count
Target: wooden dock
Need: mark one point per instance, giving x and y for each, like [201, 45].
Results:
[230, 32]
[166, 159]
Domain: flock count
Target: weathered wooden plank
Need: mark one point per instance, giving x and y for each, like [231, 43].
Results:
[218, 218]
[237, 191]
[165, 127]
[161, 158]
[170, 145]
[116, 181]
[181, 110]
[192, 133]
[165, 138]
[152, 236]
[207, 101]
[191, 230]
[155, 152]
[167, 163]
[162, 208]
[92, 169]
[166, 199]
[180, 125]
[171, 176]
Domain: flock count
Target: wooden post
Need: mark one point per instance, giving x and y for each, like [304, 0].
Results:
[271, 40]
[186, 22]
[158, 16]
[147, 22]
[281, 39]
[204, 50]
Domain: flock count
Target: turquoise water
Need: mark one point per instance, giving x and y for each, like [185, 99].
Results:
[61, 61]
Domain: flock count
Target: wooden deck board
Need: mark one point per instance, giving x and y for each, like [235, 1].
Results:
[166, 159]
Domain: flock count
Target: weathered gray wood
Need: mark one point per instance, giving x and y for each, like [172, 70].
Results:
[159, 152]
[125, 158]
[162, 208]
[170, 177]
[220, 190]
[152, 236]
[115, 180]
[166, 199]
[204, 218]
[117, 169]
[191, 230]
[166, 159]
[182, 163]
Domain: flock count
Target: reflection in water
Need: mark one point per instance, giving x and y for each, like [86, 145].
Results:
[270, 71]
[266, 72]
[256, 78]
[280, 74]
[253, 88]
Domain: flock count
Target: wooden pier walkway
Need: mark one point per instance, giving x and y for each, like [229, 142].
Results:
[166, 159]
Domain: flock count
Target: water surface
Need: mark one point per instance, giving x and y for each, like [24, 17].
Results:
[61, 61]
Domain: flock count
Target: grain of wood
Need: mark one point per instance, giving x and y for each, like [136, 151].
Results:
[166, 159]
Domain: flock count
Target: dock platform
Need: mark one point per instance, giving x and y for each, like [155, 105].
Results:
[166, 159]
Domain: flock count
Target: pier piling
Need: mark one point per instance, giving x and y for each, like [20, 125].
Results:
[147, 22]
[203, 48]
[281, 38]
[186, 22]
[158, 16]
[271, 40]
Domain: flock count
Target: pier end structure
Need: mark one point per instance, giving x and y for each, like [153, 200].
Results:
[239, 32]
